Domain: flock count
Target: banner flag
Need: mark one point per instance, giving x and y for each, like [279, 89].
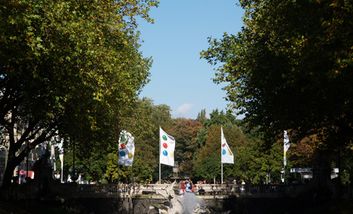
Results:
[286, 145]
[126, 148]
[226, 153]
[167, 146]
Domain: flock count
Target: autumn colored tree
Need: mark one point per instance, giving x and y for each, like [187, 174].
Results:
[302, 153]
[185, 133]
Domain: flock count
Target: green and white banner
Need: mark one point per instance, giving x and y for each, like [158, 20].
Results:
[167, 146]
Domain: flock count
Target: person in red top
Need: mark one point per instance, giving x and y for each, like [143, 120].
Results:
[182, 187]
[193, 187]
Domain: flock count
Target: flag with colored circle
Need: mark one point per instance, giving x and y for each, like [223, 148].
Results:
[126, 148]
[226, 154]
[167, 146]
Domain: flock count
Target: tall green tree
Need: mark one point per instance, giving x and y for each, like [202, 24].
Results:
[201, 116]
[144, 124]
[257, 164]
[67, 65]
[216, 118]
[290, 68]
[207, 160]
[221, 118]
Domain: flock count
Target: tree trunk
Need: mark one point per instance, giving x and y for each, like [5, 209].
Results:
[12, 162]
[322, 176]
[11, 165]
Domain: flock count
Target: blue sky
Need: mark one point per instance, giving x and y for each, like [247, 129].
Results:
[179, 78]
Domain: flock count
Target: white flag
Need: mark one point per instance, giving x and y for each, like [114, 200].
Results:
[286, 146]
[167, 146]
[226, 154]
[126, 148]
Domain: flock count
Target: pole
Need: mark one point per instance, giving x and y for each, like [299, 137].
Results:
[160, 180]
[160, 173]
[27, 162]
[286, 145]
[221, 173]
[284, 166]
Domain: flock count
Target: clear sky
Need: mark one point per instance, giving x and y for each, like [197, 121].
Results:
[179, 78]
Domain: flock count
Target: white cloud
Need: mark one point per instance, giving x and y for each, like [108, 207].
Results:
[184, 109]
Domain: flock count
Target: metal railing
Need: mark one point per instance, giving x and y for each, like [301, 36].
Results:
[129, 190]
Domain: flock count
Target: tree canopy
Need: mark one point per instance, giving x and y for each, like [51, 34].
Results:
[290, 68]
[67, 66]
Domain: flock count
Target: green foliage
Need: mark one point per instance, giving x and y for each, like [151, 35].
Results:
[208, 160]
[288, 64]
[216, 118]
[201, 116]
[143, 122]
[201, 137]
[254, 162]
[142, 172]
[208, 168]
[69, 66]
[220, 118]
[290, 69]
[114, 172]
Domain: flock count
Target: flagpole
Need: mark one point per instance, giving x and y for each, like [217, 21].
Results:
[160, 168]
[286, 145]
[159, 176]
[284, 166]
[226, 153]
[221, 172]
[221, 156]
[160, 173]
